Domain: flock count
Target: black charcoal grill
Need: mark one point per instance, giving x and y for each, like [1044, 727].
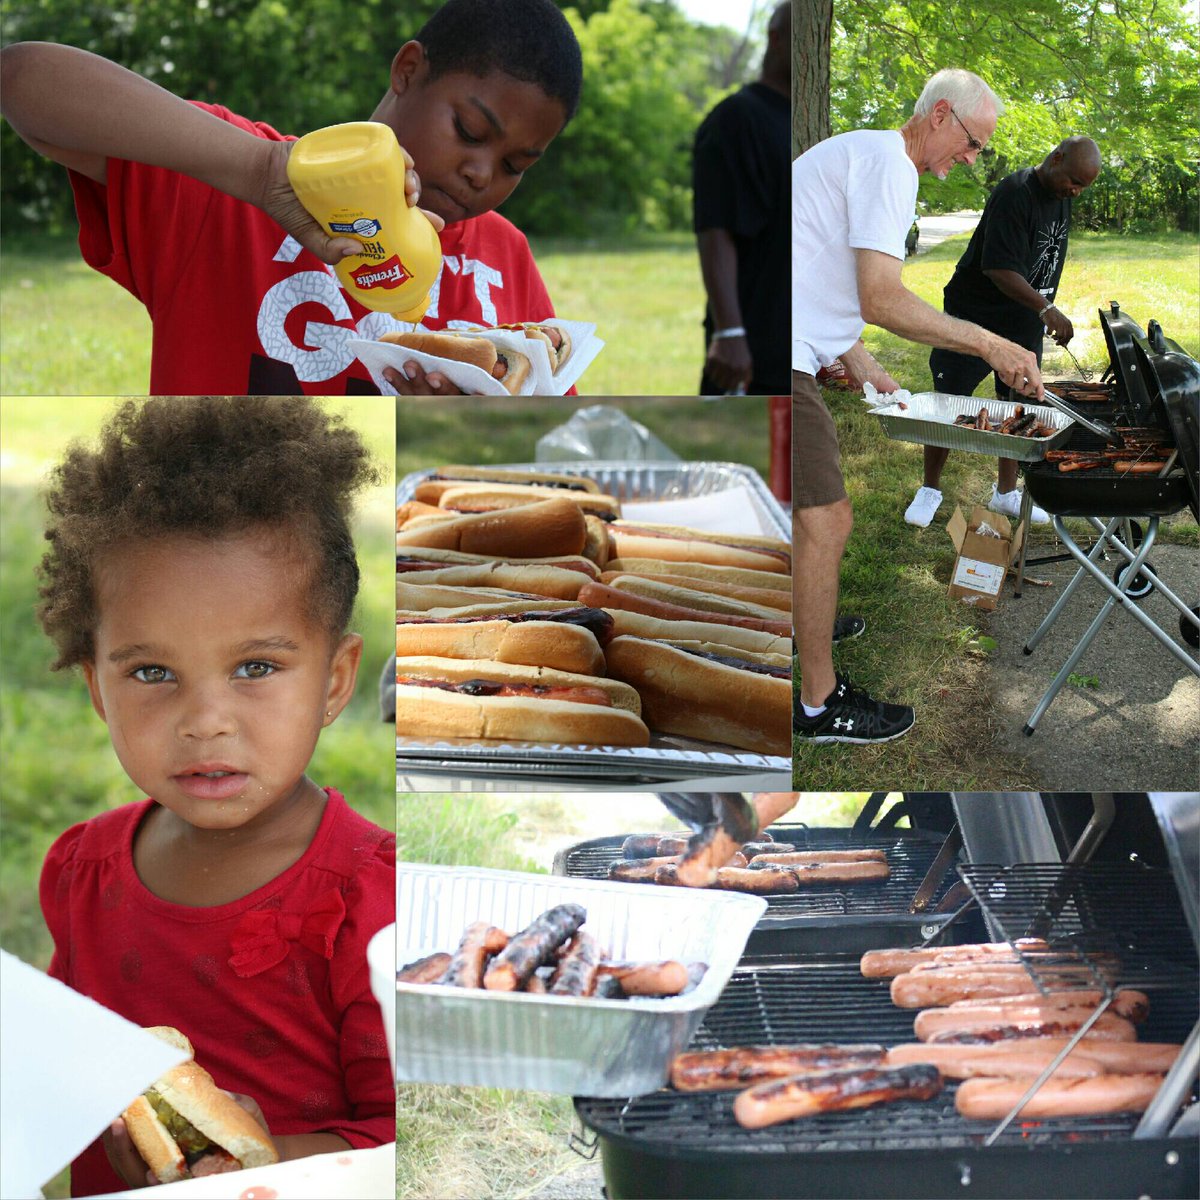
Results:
[1153, 385]
[670, 1144]
[867, 915]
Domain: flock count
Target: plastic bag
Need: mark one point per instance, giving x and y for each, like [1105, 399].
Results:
[601, 432]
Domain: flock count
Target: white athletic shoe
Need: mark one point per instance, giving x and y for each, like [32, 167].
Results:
[1009, 504]
[925, 504]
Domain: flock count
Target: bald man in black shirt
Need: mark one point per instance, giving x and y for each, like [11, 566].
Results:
[1007, 281]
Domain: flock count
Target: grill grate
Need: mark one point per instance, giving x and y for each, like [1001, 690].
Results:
[831, 1001]
[1123, 910]
[909, 858]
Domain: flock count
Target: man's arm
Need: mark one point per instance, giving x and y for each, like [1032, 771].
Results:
[1018, 289]
[729, 361]
[886, 302]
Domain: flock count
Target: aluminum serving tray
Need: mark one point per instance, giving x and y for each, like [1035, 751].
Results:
[668, 757]
[573, 1046]
[929, 420]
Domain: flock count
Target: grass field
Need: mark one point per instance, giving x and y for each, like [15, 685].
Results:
[921, 648]
[644, 293]
[58, 765]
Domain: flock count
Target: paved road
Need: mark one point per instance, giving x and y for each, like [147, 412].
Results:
[935, 229]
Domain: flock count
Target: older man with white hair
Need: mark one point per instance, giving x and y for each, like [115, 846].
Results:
[853, 201]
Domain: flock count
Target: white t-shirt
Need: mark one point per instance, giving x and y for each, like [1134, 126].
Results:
[856, 191]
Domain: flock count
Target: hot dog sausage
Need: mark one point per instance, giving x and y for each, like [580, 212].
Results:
[944, 1024]
[667, 978]
[805, 1095]
[993, 1099]
[576, 973]
[743, 1066]
[532, 947]
[764, 881]
[424, 970]
[637, 870]
[479, 940]
[817, 873]
[886, 964]
[1028, 1059]
[786, 858]
[1133, 1006]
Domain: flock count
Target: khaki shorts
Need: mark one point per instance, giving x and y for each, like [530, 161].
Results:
[816, 465]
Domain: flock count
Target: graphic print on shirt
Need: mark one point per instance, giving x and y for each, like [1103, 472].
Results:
[321, 351]
[1049, 246]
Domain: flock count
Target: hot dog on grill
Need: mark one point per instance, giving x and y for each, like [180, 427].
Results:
[534, 946]
[539, 530]
[993, 1099]
[639, 870]
[861, 1087]
[568, 639]
[887, 964]
[1133, 1006]
[792, 858]
[447, 697]
[947, 1025]
[744, 1066]
[769, 881]
[818, 873]
[942, 987]
[1027, 1059]
[717, 699]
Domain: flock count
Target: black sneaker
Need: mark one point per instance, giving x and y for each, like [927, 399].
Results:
[851, 715]
[845, 628]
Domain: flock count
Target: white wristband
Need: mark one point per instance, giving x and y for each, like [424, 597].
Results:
[735, 331]
[1045, 310]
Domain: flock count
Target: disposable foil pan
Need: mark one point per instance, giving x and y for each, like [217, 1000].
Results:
[929, 420]
[668, 756]
[569, 1045]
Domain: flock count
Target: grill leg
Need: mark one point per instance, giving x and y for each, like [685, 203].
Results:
[1116, 595]
[1096, 551]
[1026, 509]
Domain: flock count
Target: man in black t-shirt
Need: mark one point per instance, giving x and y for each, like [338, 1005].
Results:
[741, 179]
[1006, 282]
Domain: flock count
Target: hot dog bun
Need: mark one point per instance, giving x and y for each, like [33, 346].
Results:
[769, 598]
[549, 581]
[735, 637]
[552, 644]
[428, 490]
[418, 596]
[479, 352]
[678, 592]
[686, 694]
[543, 529]
[680, 544]
[488, 497]
[675, 608]
[741, 576]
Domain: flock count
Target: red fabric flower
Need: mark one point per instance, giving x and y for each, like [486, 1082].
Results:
[264, 937]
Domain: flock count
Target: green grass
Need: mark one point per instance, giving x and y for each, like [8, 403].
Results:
[70, 331]
[487, 430]
[59, 767]
[921, 648]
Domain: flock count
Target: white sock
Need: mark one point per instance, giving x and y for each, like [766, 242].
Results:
[809, 711]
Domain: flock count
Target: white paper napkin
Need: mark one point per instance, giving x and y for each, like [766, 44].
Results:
[70, 1067]
[730, 511]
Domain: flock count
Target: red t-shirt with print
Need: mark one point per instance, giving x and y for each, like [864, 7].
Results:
[239, 308]
[272, 990]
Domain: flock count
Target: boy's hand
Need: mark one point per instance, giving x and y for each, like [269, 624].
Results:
[278, 201]
[124, 1158]
[413, 381]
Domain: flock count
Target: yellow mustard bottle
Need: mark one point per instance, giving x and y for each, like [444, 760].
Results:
[351, 180]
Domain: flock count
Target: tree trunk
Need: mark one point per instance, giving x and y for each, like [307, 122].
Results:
[812, 26]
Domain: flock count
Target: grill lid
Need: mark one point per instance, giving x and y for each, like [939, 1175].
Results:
[1175, 381]
[1122, 335]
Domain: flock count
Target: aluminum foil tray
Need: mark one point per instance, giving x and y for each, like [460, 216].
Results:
[929, 420]
[668, 757]
[561, 1044]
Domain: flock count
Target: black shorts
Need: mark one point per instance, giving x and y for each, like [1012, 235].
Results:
[960, 374]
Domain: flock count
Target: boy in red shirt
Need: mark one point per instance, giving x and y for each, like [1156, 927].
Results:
[188, 206]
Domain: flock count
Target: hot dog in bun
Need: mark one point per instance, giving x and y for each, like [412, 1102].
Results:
[186, 1127]
[443, 697]
[508, 366]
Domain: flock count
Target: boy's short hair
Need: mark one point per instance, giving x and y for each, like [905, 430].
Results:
[206, 467]
[527, 39]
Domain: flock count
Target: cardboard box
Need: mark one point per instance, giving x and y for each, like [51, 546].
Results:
[981, 561]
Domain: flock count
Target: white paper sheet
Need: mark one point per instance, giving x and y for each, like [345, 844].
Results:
[69, 1067]
[344, 1175]
[730, 511]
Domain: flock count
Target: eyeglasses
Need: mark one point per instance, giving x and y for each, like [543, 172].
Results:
[973, 143]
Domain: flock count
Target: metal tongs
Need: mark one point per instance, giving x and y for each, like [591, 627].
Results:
[1100, 428]
[723, 822]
